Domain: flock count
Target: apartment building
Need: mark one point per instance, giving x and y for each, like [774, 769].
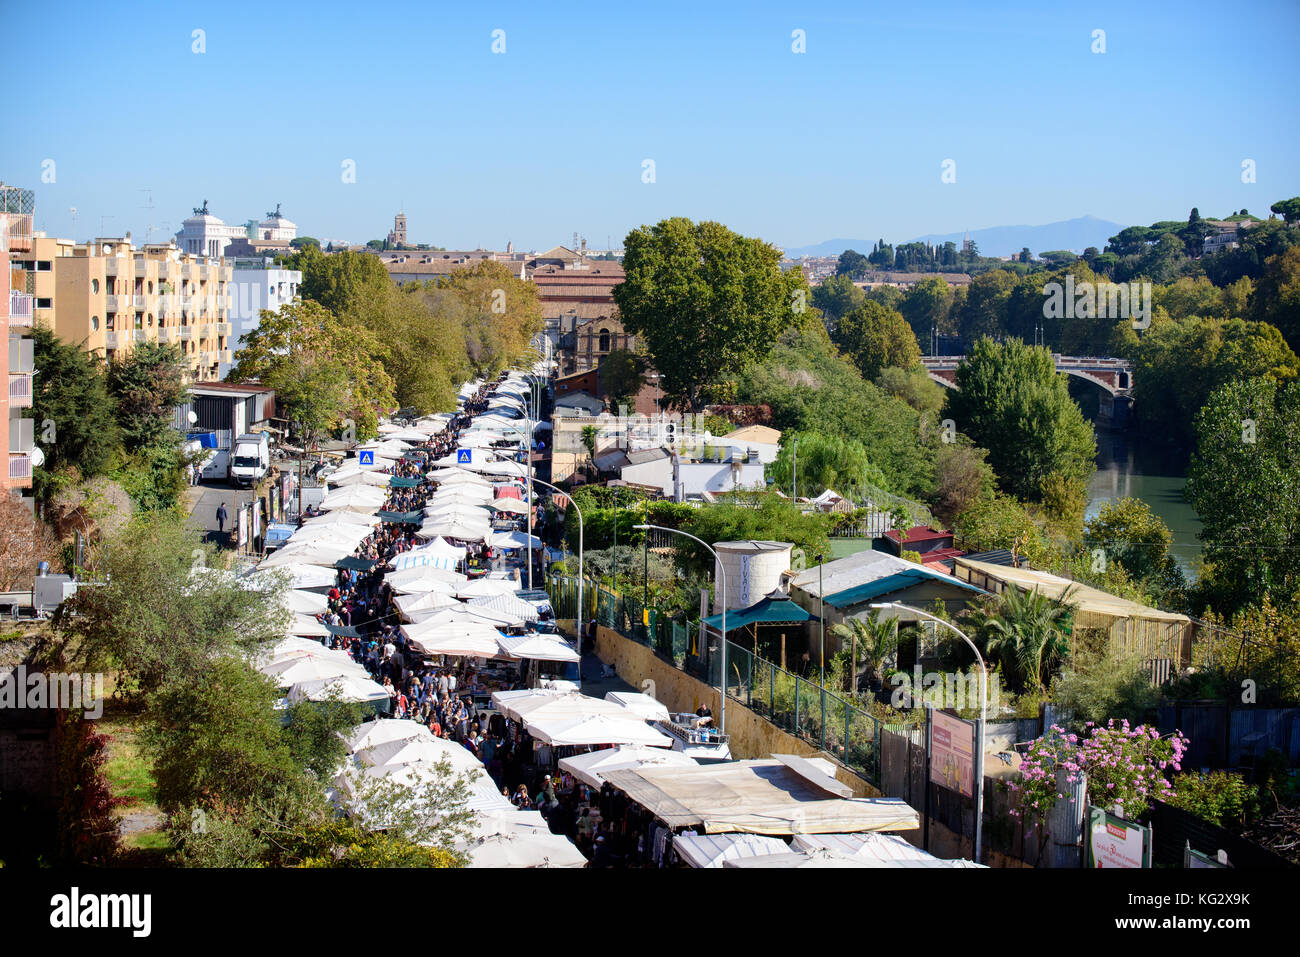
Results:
[109, 294]
[16, 312]
[258, 284]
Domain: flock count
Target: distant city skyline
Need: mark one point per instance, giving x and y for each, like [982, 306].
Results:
[135, 127]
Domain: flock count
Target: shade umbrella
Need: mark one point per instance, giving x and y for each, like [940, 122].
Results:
[420, 750]
[513, 505]
[346, 687]
[302, 668]
[350, 535]
[508, 605]
[304, 602]
[383, 730]
[307, 626]
[596, 729]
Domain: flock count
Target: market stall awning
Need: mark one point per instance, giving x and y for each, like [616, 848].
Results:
[356, 564]
[398, 481]
[758, 797]
[403, 518]
[769, 611]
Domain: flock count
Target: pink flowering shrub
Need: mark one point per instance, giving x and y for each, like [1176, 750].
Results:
[1124, 765]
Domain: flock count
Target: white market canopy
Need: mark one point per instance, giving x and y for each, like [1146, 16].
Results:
[420, 750]
[712, 850]
[488, 587]
[310, 553]
[439, 553]
[302, 575]
[514, 539]
[641, 705]
[424, 578]
[455, 529]
[428, 601]
[305, 668]
[506, 604]
[342, 518]
[459, 639]
[304, 602]
[452, 476]
[349, 535]
[515, 851]
[758, 797]
[346, 688]
[596, 729]
[541, 648]
[879, 850]
[588, 768]
[364, 477]
[307, 627]
[515, 505]
[383, 730]
[519, 705]
[354, 498]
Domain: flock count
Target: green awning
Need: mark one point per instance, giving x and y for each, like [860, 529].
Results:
[344, 631]
[769, 611]
[398, 481]
[402, 518]
[359, 564]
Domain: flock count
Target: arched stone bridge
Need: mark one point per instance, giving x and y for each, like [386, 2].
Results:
[1112, 376]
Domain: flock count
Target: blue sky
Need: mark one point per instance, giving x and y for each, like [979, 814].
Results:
[845, 140]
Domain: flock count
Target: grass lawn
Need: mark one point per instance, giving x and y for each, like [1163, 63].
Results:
[144, 843]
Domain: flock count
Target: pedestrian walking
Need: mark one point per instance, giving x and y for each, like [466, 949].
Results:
[221, 518]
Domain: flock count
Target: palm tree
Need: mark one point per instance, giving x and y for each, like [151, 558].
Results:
[589, 434]
[1027, 631]
[876, 637]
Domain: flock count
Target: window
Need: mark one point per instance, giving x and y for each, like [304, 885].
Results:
[139, 320]
[44, 303]
[94, 322]
[94, 286]
[604, 340]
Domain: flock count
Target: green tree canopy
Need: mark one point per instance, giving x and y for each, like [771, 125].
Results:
[876, 337]
[706, 301]
[1244, 482]
[1011, 400]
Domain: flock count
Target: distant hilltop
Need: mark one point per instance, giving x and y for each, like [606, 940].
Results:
[1076, 234]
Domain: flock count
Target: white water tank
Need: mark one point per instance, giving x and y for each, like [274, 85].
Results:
[753, 569]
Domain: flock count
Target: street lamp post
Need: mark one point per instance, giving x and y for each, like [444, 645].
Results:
[821, 620]
[578, 622]
[984, 701]
[722, 584]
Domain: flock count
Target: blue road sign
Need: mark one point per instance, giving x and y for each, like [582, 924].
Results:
[367, 457]
[463, 456]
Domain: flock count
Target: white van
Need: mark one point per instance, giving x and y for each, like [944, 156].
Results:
[250, 459]
[216, 466]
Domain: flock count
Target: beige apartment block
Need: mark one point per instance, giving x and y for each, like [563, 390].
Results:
[110, 294]
[16, 308]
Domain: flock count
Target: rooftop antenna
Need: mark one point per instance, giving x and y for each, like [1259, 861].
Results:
[73, 211]
[101, 223]
[148, 192]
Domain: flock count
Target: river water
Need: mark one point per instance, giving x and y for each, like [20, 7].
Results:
[1129, 467]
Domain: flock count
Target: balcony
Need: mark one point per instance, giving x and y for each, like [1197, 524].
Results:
[185, 333]
[110, 340]
[22, 356]
[137, 302]
[20, 309]
[110, 267]
[20, 466]
[142, 335]
[15, 232]
[20, 390]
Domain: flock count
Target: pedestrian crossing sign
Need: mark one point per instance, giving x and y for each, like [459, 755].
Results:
[367, 457]
[463, 456]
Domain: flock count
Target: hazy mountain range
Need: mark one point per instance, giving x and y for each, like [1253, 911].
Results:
[1076, 234]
